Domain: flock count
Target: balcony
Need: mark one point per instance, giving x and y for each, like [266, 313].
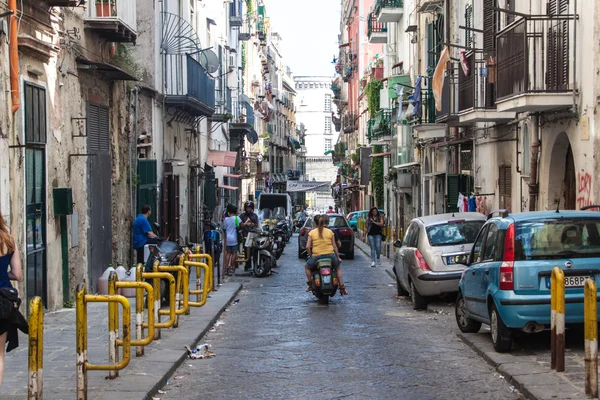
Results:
[62, 3]
[235, 13]
[535, 65]
[377, 31]
[115, 20]
[477, 95]
[349, 123]
[379, 128]
[189, 88]
[389, 10]
[425, 118]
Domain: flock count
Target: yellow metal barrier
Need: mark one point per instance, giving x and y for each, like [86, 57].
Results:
[140, 341]
[83, 366]
[590, 311]
[157, 276]
[201, 293]
[36, 349]
[246, 256]
[557, 320]
[182, 285]
[209, 261]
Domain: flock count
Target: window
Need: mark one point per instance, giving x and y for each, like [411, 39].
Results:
[469, 24]
[505, 186]
[453, 232]
[328, 125]
[491, 244]
[327, 144]
[327, 102]
[477, 247]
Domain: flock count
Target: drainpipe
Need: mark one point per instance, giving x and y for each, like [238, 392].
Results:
[533, 173]
[14, 57]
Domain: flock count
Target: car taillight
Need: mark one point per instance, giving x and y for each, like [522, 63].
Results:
[507, 268]
[345, 232]
[421, 260]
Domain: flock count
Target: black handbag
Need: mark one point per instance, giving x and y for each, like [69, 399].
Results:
[9, 302]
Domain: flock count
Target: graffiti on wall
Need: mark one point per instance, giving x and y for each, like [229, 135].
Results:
[584, 189]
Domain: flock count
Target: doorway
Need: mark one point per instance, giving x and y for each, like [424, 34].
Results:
[562, 180]
[35, 191]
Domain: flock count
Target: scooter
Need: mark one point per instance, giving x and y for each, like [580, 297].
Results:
[261, 242]
[324, 280]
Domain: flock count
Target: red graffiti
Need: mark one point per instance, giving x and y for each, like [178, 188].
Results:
[584, 189]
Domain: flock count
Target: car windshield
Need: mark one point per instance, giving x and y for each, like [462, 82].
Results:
[453, 232]
[557, 238]
[337, 222]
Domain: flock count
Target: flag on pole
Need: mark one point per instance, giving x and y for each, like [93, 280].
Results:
[438, 78]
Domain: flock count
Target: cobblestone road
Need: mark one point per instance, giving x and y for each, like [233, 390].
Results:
[278, 343]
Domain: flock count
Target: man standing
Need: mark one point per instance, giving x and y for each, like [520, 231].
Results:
[249, 221]
[330, 211]
[142, 233]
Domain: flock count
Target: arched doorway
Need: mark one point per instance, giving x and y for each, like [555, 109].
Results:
[562, 183]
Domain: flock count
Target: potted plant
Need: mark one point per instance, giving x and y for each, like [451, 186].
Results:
[105, 8]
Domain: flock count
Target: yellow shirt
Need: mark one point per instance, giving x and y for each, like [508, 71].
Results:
[321, 246]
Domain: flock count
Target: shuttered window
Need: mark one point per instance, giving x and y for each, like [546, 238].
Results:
[509, 6]
[505, 186]
[468, 25]
[490, 25]
[35, 114]
[558, 47]
[97, 128]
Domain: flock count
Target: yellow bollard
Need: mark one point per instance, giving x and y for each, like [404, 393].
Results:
[113, 325]
[82, 298]
[182, 282]
[209, 261]
[590, 311]
[140, 341]
[36, 349]
[557, 320]
[139, 310]
[158, 276]
[202, 293]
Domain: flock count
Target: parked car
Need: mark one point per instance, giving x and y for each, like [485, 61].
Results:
[339, 225]
[434, 254]
[354, 216]
[507, 282]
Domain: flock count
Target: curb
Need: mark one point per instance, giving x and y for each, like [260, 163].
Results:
[532, 379]
[161, 382]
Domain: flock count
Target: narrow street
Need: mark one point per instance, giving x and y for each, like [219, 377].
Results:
[277, 342]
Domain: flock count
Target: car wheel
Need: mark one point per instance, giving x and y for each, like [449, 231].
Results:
[465, 323]
[419, 302]
[501, 334]
[399, 288]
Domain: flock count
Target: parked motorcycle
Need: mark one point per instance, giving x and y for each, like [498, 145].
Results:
[261, 242]
[282, 222]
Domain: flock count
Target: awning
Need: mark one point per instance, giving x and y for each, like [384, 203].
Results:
[108, 70]
[227, 187]
[387, 153]
[407, 165]
[221, 158]
[232, 176]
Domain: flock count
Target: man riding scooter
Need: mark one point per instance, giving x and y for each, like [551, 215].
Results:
[249, 221]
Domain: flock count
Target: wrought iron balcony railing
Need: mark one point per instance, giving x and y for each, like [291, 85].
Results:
[188, 85]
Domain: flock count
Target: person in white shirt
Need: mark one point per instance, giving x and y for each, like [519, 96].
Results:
[231, 224]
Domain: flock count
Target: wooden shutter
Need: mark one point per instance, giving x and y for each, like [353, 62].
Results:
[505, 186]
[453, 189]
[490, 25]
[557, 77]
[469, 24]
[97, 128]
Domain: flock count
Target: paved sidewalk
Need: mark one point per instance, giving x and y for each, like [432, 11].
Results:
[139, 380]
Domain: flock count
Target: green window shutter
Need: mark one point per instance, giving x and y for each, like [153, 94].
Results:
[453, 189]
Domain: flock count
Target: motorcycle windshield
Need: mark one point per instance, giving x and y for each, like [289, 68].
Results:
[264, 215]
[168, 247]
[279, 213]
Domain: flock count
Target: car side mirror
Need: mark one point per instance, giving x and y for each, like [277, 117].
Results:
[398, 244]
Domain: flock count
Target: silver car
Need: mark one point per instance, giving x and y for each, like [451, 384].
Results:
[433, 255]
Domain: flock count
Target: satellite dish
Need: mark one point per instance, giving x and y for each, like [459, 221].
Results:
[209, 61]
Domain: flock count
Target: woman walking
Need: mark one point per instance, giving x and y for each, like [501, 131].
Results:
[9, 256]
[375, 234]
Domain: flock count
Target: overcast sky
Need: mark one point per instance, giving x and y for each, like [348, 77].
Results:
[309, 29]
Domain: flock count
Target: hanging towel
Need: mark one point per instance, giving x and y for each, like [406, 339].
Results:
[461, 203]
[472, 204]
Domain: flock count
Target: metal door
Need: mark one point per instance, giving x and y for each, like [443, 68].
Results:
[35, 191]
[99, 192]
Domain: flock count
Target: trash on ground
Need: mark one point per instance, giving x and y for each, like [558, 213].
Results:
[400, 297]
[161, 391]
[180, 377]
[156, 398]
[201, 352]
[512, 389]
[236, 301]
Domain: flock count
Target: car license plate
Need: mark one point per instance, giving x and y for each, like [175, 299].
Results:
[458, 259]
[571, 281]
[327, 279]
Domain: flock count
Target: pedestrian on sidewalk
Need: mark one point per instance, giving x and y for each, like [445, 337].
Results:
[375, 234]
[9, 257]
[231, 226]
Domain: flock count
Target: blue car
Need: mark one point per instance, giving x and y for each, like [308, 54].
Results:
[507, 282]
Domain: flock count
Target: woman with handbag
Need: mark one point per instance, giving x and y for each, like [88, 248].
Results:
[375, 235]
[9, 256]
